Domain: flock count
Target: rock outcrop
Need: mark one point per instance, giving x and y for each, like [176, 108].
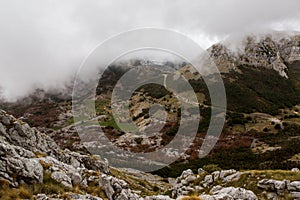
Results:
[185, 184]
[275, 188]
[26, 154]
[230, 193]
[116, 189]
[72, 196]
[269, 52]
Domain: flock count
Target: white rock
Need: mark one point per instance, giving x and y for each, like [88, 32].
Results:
[294, 186]
[295, 170]
[62, 178]
[237, 193]
[233, 177]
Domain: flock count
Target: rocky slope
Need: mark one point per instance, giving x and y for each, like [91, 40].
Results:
[32, 160]
[270, 51]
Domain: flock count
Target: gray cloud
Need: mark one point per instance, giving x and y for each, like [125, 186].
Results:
[42, 43]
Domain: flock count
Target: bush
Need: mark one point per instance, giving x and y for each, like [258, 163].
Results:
[236, 118]
[265, 129]
[277, 127]
[138, 140]
[211, 168]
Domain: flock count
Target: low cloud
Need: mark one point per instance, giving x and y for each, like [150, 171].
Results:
[44, 42]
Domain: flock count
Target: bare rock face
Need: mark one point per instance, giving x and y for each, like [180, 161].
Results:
[158, 197]
[280, 187]
[290, 48]
[272, 185]
[237, 193]
[69, 195]
[217, 197]
[265, 52]
[116, 189]
[18, 164]
[62, 178]
[26, 154]
[229, 193]
[295, 170]
[185, 184]
[20, 134]
[182, 185]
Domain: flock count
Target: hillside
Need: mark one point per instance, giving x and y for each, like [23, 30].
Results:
[32, 166]
[260, 139]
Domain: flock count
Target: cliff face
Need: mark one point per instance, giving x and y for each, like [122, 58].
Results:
[264, 52]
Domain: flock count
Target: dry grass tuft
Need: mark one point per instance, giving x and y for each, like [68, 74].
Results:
[191, 198]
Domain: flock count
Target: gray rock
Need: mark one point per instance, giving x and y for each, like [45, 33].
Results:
[223, 196]
[237, 193]
[207, 197]
[72, 196]
[76, 178]
[62, 178]
[190, 179]
[295, 195]
[116, 189]
[217, 197]
[158, 197]
[295, 170]
[225, 173]
[208, 180]
[272, 185]
[233, 177]
[183, 183]
[41, 197]
[201, 171]
[82, 197]
[186, 173]
[272, 196]
[294, 186]
[216, 189]
[216, 175]
[32, 168]
[11, 164]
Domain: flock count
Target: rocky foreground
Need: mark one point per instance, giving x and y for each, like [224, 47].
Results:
[33, 166]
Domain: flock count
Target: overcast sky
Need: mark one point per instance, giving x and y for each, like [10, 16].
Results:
[43, 42]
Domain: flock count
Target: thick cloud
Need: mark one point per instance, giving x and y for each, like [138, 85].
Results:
[42, 43]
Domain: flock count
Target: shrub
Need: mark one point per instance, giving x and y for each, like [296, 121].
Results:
[277, 127]
[211, 168]
[138, 140]
[191, 198]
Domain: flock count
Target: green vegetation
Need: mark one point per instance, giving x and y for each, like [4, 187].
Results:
[244, 158]
[211, 168]
[172, 130]
[294, 75]
[100, 106]
[138, 140]
[205, 113]
[110, 122]
[155, 90]
[259, 90]
[236, 118]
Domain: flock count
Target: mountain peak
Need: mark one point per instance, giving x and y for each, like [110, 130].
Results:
[267, 51]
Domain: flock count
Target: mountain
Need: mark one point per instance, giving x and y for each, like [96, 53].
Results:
[260, 139]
